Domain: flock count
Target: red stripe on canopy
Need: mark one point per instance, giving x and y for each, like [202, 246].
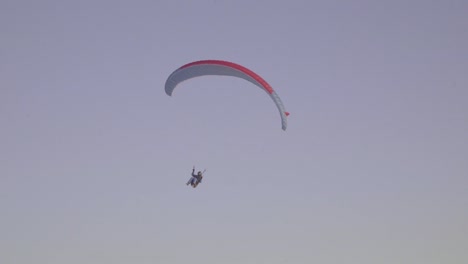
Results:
[234, 66]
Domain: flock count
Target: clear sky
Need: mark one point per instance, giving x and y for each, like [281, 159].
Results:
[94, 155]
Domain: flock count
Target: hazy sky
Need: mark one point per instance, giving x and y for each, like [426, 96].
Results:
[94, 155]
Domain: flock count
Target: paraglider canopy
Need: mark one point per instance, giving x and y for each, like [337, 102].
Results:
[225, 68]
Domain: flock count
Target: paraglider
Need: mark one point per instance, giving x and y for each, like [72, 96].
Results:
[196, 178]
[224, 68]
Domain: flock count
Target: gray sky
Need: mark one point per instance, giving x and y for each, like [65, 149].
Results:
[94, 155]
